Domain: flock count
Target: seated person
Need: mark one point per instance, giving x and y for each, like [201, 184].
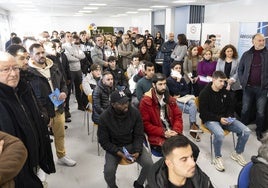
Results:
[259, 171]
[177, 168]
[134, 67]
[101, 95]
[161, 116]
[178, 87]
[121, 126]
[217, 112]
[89, 82]
[145, 83]
[120, 79]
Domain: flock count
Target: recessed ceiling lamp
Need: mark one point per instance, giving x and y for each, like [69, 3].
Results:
[97, 4]
[131, 12]
[84, 11]
[184, 1]
[91, 8]
[159, 6]
[145, 9]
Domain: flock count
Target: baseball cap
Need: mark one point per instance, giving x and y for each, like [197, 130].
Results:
[119, 97]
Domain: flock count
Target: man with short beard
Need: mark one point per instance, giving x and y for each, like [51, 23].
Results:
[161, 116]
[121, 126]
[48, 77]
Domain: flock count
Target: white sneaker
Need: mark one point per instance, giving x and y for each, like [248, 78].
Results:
[239, 158]
[218, 164]
[41, 175]
[66, 161]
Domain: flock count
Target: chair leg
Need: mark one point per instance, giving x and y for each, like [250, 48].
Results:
[93, 132]
[233, 140]
[211, 149]
[87, 123]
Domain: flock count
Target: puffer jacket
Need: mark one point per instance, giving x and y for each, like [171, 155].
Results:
[150, 112]
[101, 100]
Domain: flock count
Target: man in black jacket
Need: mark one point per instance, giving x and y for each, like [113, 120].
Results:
[47, 78]
[21, 117]
[177, 168]
[217, 113]
[121, 126]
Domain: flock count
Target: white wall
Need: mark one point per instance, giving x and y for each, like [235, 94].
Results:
[34, 24]
[236, 12]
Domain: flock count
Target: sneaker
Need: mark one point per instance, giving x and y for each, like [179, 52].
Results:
[195, 128]
[238, 158]
[137, 185]
[195, 136]
[218, 164]
[68, 120]
[41, 175]
[66, 161]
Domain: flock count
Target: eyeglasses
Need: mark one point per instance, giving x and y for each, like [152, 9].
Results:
[9, 69]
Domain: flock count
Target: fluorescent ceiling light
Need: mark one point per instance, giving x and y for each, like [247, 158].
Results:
[97, 4]
[159, 6]
[145, 9]
[84, 11]
[30, 9]
[25, 2]
[27, 5]
[131, 12]
[184, 1]
[91, 8]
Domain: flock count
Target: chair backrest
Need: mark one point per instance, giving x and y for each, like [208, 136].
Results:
[151, 151]
[243, 178]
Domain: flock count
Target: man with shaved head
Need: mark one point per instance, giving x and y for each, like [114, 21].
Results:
[21, 117]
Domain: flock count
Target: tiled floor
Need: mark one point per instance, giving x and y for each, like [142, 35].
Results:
[88, 173]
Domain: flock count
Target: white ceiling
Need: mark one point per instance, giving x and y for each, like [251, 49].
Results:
[113, 8]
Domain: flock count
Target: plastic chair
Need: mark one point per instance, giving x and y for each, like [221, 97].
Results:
[205, 129]
[151, 151]
[243, 178]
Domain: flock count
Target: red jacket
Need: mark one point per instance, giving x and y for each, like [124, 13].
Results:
[150, 112]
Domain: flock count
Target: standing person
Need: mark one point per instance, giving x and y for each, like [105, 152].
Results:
[167, 48]
[205, 69]
[121, 126]
[180, 50]
[23, 119]
[217, 113]
[8, 43]
[215, 50]
[228, 63]
[125, 51]
[190, 69]
[177, 168]
[47, 78]
[100, 51]
[13, 155]
[143, 53]
[253, 75]
[74, 55]
[158, 39]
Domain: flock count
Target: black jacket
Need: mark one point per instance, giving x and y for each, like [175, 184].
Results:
[42, 88]
[101, 100]
[20, 117]
[116, 131]
[258, 177]
[158, 177]
[215, 105]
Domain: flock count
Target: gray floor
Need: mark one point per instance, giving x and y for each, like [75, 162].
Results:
[88, 173]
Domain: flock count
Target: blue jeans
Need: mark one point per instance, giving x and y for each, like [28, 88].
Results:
[259, 96]
[111, 164]
[189, 108]
[166, 68]
[237, 127]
